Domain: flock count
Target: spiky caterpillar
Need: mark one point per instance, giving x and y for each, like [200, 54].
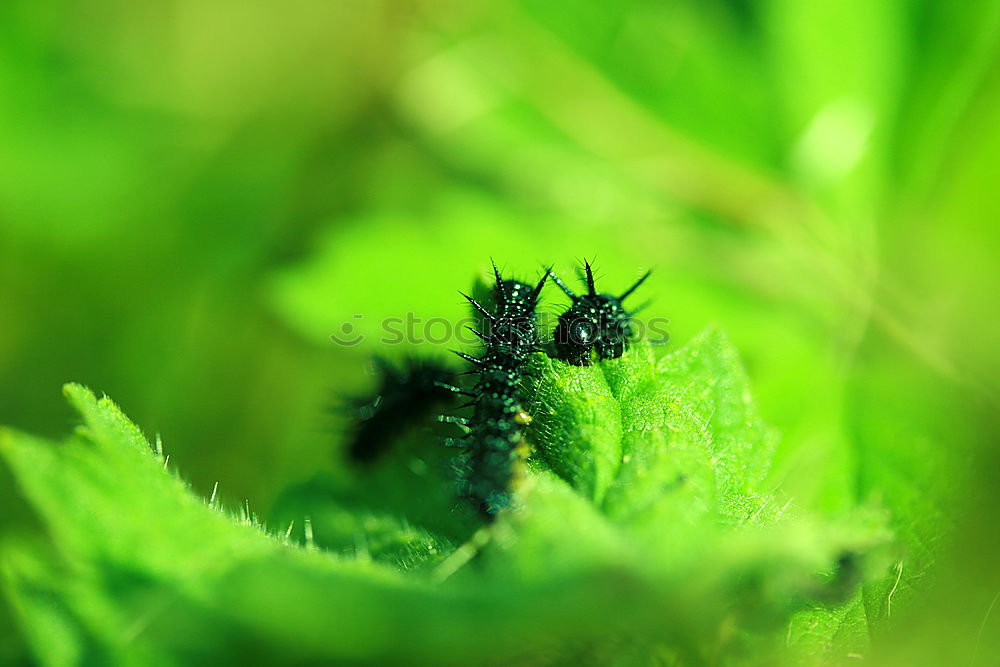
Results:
[593, 323]
[407, 394]
[494, 448]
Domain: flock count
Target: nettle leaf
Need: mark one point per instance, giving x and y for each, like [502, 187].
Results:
[689, 484]
[578, 430]
[647, 526]
[635, 434]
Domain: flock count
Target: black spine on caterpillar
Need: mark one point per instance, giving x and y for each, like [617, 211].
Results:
[407, 394]
[494, 447]
[593, 323]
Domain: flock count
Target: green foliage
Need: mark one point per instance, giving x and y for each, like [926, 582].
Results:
[194, 195]
[647, 526]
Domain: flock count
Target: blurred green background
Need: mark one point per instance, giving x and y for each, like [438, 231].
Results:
[194, 195]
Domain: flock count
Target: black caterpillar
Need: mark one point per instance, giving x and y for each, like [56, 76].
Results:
[407, 394]
[494, 449]
[593, 323]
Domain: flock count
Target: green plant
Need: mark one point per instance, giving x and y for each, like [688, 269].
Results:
[649, 528]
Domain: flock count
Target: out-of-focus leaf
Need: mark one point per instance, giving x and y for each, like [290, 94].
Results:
[404, 301]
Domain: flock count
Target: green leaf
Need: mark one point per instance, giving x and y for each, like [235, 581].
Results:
[646, 513]
[585, 450]
[710, 381]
